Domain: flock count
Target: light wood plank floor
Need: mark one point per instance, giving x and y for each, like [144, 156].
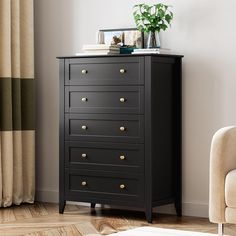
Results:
[43, 219]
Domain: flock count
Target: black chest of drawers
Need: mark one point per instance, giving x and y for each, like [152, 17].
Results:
[120, 130]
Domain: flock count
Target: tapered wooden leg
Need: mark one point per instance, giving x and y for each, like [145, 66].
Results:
[178, 208]
[62, 206]
[148, 214]
[93, 205]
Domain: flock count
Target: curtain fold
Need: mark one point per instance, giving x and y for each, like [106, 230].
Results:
[17, 103]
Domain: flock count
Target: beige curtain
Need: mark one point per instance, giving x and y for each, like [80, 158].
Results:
[17, 126]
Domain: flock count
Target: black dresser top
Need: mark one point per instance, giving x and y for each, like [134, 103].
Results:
[122, 55]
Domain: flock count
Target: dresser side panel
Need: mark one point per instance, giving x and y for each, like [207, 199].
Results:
[162, 107]
[61, 133]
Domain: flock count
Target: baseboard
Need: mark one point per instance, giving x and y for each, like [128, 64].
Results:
[189, 208]
[196, 209]
[51, 196]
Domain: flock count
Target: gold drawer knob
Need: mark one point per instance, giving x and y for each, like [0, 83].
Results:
[84, 72]
[84, 99]
[122, 158]
[84, 127]
[122, 100]
[122, 71]
[84, 155]
[122, 128]
[83, 183]
[122, 186]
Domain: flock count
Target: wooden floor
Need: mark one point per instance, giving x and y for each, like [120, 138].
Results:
[42, 219]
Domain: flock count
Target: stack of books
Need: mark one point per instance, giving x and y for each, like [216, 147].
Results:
[151, 51]
[101, 49]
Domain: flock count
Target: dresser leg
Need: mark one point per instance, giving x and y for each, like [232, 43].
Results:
[93, 205]
[148, 214]
[62, 206]
[178, 208]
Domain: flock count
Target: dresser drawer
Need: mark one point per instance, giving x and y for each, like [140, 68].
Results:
[105, 185]
[105, 156]
[104, 127]
[104, 99]
[104, 71]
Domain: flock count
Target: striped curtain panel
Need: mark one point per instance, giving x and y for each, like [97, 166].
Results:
[17, 103]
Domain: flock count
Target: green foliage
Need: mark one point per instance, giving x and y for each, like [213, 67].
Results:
[152, 18]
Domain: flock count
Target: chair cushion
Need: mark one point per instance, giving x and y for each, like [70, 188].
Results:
[230, 215]
[230, 189]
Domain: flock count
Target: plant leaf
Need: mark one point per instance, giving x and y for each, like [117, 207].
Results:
[152, 17]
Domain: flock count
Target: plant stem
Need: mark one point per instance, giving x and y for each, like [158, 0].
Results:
[153, 39]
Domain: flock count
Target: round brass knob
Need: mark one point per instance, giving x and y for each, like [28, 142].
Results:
[122, 186]
[84, 99]
[84, 72]
[122, 71]
[122, 100]
[84, 127]
[122, 158]
[83, 183]
[122, 128]
[84, 155]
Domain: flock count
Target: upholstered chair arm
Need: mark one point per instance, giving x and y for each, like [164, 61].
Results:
[222, 160]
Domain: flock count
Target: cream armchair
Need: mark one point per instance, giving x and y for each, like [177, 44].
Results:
[222, 202]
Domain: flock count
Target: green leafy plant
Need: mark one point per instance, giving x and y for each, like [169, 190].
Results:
[151, 18]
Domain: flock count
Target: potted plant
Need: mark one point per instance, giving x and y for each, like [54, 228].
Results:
[152, 19]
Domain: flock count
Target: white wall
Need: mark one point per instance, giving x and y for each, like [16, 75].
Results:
[203, 31]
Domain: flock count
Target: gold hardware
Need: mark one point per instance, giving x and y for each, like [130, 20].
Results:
[122, 128]
[84, 155]
[122, 71]
[122, 100]
[84, 127]
[122, 186]
[84, 99]
[122, 157]
[84, 183]
[84, 72]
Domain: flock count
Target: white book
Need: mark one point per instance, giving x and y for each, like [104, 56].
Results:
[102, 51]
[152, 51]
[99, 47]
[146, 49]
[96, 53]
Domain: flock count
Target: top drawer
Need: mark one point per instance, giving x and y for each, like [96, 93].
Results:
[104, 71]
